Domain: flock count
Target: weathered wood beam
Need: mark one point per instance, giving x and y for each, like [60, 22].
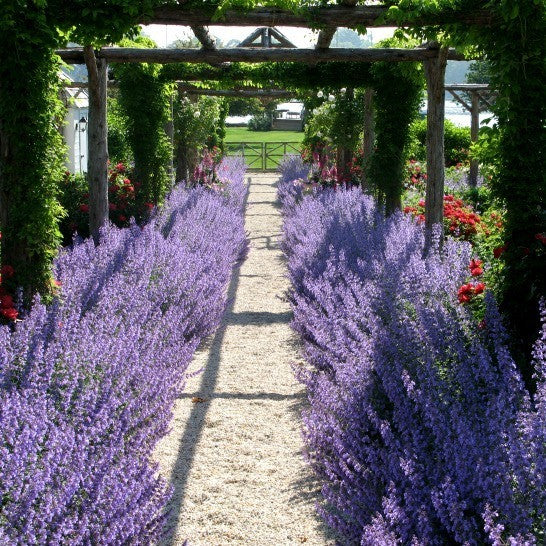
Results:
[240, 93]
[309, 56]
[202, 34]
[434, 200]
[333, 16]
[97, 141]
[467, 87]
[459, 99]
[488, 104]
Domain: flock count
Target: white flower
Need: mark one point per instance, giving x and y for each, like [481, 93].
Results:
[343, 90]
[196, 114]
[331, 98]
[319, 134]
[320, 94]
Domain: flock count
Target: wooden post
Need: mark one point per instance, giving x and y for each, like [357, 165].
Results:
[369, 137]
[474, 129]
[97, 157]
[434, 207]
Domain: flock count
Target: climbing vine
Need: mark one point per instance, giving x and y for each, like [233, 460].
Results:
[398, 93]
[144, 98]
[31, 158]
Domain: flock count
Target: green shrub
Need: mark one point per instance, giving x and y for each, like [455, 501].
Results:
[456, 142]
[260, 122]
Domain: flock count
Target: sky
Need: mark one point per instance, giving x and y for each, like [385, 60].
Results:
[164, 35]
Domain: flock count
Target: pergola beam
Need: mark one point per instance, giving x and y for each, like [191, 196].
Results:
[332, 16]
[309, 56]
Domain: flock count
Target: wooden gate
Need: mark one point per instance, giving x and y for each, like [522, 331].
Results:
[262, 156]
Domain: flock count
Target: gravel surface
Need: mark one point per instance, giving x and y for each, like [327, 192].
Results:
[234, 456]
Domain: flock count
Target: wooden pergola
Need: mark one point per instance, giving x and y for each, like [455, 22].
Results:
[433, 57]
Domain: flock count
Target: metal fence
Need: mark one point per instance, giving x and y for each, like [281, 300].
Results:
[262, 156]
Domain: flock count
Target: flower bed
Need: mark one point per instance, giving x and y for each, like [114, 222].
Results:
[88, 382]
[419, 427]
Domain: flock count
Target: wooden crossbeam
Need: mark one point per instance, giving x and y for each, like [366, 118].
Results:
[459, 99]
[468, 87]
[331, 16]
[309, 56]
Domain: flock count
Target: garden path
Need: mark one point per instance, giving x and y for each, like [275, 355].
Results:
[234, 454]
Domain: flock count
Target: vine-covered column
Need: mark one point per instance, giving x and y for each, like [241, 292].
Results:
[398, 88]
[144, 97]
[31, 148]
[368, 137]
[516, 50]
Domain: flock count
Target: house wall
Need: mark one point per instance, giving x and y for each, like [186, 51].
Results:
[287, 124]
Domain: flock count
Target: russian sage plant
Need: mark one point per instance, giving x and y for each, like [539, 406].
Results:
[419, 426]
[88, 383]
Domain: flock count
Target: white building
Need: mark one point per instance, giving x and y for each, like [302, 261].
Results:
[75, 127]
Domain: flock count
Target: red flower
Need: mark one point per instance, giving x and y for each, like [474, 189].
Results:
[465, 293]
[7, 271]
[479, 288]
[120, 167]
[84, 208]
[476, 272]
[475, 267]
[541, 237]
[112, 206]
[149, 206]
[497, 252]
[7, 301]
[10, 313]
[122, 218]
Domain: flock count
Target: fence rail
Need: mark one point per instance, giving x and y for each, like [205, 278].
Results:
[262, 156]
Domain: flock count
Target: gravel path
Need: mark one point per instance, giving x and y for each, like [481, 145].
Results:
[234, 453]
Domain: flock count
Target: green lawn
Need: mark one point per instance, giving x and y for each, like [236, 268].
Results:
[261, 147]
[242, 134]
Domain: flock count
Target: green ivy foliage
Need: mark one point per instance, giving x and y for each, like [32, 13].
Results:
[32, 151]
[119, 148]
[144, 99]
[398, 93]
[198, 122]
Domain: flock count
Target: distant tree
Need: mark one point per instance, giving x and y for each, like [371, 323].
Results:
[345, 37]
[189, 41]
[245, 107]
[479, 72]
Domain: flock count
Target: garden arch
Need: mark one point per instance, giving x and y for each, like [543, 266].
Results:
[511, 35]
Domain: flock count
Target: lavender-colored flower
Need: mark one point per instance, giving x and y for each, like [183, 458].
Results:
[88, 383]
[419, 426]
